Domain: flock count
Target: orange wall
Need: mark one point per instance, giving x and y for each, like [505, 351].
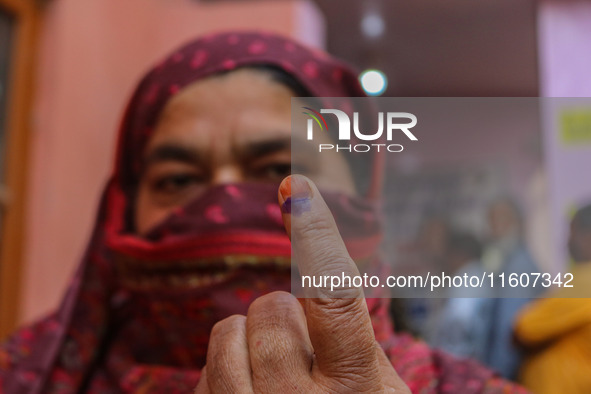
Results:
[92, 52]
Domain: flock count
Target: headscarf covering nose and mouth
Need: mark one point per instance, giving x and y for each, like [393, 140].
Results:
[230, 227]
[137, 315]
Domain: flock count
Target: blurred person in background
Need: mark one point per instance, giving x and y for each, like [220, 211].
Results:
[426, 253]
[463, 324]
[506, 250]
[507, 253]
[556, 331]
[433, 241]
[184, 281]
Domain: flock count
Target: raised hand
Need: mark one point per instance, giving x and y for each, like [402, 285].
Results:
[326, 345]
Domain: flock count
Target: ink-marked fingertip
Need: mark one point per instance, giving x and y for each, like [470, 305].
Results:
[285, 188]
[295, 193]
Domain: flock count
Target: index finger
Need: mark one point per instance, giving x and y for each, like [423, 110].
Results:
[338, 320]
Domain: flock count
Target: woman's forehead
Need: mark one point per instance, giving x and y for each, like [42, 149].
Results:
[229, 92]
[241, 106]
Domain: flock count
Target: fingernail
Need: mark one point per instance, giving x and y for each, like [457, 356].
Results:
[296, 193]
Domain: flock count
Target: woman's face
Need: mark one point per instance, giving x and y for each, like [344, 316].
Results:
[228, 128]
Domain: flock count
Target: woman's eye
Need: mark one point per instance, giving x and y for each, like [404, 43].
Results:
[276, 171]
[176, 182]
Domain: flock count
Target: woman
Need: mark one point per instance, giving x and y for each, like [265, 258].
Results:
[555, 331]
[189, 233]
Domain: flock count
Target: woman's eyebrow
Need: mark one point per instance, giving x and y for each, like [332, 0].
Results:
[264, 147]
[173, 152]
[275, 144]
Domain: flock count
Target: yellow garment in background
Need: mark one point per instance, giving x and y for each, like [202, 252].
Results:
[557, 335]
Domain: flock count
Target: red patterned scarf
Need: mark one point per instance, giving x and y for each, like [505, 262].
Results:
[137, 315]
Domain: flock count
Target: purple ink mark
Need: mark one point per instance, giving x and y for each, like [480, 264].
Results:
[296, 206]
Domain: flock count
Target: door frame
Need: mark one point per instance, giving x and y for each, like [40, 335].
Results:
[18, 129]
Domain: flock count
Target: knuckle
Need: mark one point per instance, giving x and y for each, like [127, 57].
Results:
[273, 332]
[342, 308]
[270, 303]
[348, 381]
[270, 356]
[228, 326]
[339, 264]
